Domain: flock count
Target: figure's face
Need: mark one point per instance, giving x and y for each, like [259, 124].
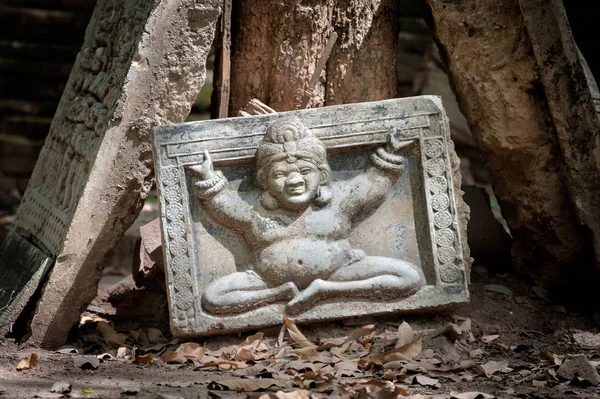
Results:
[294, 185]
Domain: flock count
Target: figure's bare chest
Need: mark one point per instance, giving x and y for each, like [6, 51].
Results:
[323, 223]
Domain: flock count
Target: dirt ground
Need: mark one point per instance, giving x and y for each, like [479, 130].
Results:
[508, 343]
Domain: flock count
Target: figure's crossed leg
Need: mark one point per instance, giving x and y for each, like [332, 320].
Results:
[243, 291]
[374, 277]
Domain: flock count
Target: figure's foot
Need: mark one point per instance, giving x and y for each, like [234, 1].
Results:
[305, 298]
[287, 291]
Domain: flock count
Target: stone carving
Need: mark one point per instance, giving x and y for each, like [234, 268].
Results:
[317, 214]
[95, 168]
[299, 234]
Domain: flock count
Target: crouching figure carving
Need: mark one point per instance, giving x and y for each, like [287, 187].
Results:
[299, 233]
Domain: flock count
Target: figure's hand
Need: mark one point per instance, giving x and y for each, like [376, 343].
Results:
[205, 169]
[394, 145]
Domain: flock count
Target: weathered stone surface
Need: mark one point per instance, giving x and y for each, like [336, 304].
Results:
[148, 269]
[142, 64]
[578, 367]
[335, 212]
[18, 282]
[497, 80]
[571, 105]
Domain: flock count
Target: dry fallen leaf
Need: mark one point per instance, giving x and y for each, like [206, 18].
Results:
[361, 332]
[87, 363]
[373, 389]
[247, 385]
[471, 395]
[297, 394]
[492, 367]
[405, 334]
[122, 352]
[28, 362]
[185, 352]
[409, 351]
[222, 364]
[61, 387]
[489, 338]
[587, 340]
[427, 381]
[145, 359]
[68, 349]
[297, 336]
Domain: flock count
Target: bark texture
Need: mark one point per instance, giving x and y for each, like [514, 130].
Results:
[497, 80]
[277, 46]
[142, 64]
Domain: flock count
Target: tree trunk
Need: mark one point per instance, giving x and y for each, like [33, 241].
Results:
[277, 46]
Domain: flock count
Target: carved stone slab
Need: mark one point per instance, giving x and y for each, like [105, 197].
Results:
[385, 209]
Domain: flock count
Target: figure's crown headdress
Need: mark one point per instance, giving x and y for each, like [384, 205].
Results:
[289, 139]
[287, 132]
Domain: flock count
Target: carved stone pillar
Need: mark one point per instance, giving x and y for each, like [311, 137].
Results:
[141, 65]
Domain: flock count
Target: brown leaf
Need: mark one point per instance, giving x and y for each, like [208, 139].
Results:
[375, 389]
[185, 352]
[247, 385]
[465, 326]
[331, 343]
[146, 359]
[87, 363]
[309, 353]
[297, 394]
[28, 362]
[587, 340]
[409, 351]
[489, 338]
[492, 367]
[471, 395]
[297, 336]
[61, 387]
[248, 350]
[361, 332]
[222, 364]
[122, 352]
[405, 335]
[302, 365]
[346, 369]
[253, 371]
[252, 339]
[427, 381]
[389, 375]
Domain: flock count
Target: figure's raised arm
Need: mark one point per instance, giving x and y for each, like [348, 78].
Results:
[368, 190]
[224, 206]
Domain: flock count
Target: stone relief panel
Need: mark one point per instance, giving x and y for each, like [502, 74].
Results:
[315, 214]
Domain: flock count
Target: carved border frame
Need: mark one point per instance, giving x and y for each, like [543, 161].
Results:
[421, 120]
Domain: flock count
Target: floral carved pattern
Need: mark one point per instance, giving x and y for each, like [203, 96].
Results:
[441, 210]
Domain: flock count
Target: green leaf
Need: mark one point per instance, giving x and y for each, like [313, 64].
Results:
[87, 391]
